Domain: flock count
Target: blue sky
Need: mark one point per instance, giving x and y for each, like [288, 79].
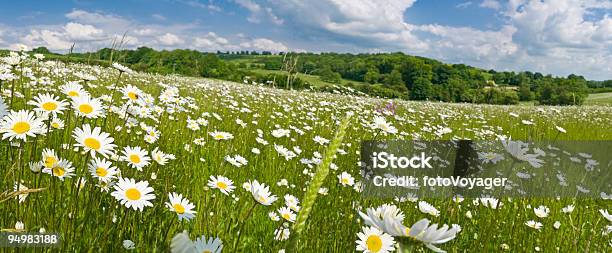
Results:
[556, 37]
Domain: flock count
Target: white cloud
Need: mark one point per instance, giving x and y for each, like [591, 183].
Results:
[491, 4]
[169, 39]
[50, 39]
[76, 31]
[96, 18]
[259, 13]
[264, 44]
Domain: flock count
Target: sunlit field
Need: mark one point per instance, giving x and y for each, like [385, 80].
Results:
[113, 160]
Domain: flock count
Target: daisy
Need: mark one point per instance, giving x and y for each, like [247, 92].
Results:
[122, 69]
[86, 106]
[375, 241]
[346, 179]
[57, 123]
[160, 157]
[292, 202]
[541, 211]
[181, 206]
[73, 90]
[430, 235]
[62, 169]
[94, 141]
[287, 214]
[237, 160]
[47, 103]
[102, 169]
[20, 125]
[568, 209]
[133, 195]
[320, 140]
[136, 157]
[131, 93]
[212, 244]
[219, 136]
[49, 158]
[518, 150]
[261, 193]
[534, 224]
[381, 124]
[427, 208]
[224, 184]
[605, 214]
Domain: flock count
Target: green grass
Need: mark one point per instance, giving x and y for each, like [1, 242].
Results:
[91, 220]
[599, 99]
[311, 79]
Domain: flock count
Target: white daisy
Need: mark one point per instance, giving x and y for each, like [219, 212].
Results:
[287, 214]
[94, 141]
[261, 193]
[20, 125]
[133, 195]
[372, 240]
[346, 179]
[181, 206]
[86, 106]
[136, 157]
[102, 169]
[224, 184]
[62, 169]
[47, 103]
[219, 136]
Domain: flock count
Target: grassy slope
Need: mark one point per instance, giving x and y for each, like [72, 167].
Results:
[599, 99]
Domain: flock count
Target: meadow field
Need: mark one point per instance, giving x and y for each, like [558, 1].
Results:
[114, 160]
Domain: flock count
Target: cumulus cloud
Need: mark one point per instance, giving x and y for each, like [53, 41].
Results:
[264, 44]
[170, 39]
[76, 31]
[558, 37]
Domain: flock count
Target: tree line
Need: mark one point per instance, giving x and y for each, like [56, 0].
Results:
[393, 75]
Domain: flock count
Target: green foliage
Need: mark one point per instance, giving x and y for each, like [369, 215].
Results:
[394, 75]
[572, 91]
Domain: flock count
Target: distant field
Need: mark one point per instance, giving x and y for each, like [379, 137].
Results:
[599, 98]
[311, 79]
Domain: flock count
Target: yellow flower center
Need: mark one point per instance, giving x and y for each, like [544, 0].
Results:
[222, 185]
[73, 93]
[55, 125]
[135, 159]
[92, 143]
[132, 194]
[101, 172]
[85, 108]
[58, 171]
[132, 95]
[286, 216]
[50, 161]
[178, 208]
[219, 136]
[374, 243]
[345, 181]
[21, 127]
[49, 106]
[206, 251]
